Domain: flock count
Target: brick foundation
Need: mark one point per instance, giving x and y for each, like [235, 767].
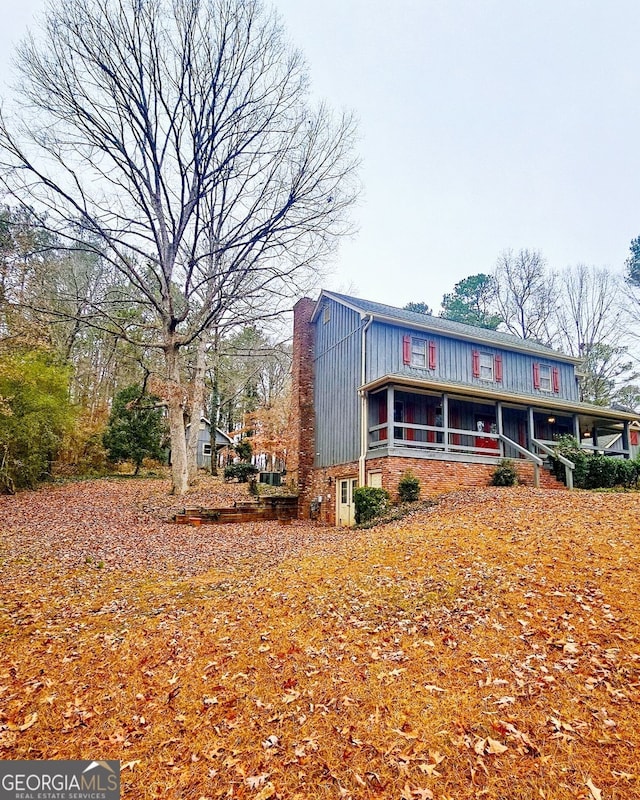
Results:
[436, 477]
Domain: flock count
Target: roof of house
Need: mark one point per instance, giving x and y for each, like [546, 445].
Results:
[222, 438]
[445, 327]
[604, 442]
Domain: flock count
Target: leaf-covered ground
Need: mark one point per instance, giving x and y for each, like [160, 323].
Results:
[487, 647]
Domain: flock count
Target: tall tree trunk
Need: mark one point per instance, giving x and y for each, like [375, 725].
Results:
[175, 407]
[215, 406]
[196, 411]
[214, 422]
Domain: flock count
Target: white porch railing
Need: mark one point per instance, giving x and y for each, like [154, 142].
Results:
[446, 445]
[441, 438]
[537, 461]
[569, 466]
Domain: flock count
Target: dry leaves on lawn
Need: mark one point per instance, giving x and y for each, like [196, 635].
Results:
[489, 644]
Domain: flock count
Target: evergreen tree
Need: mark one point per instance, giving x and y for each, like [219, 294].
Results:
[136, 429]
[472, 302]
[418, 308]
[633, 263]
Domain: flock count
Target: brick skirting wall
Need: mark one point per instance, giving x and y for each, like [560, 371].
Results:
[436, 477]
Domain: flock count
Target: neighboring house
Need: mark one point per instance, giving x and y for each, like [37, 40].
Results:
[378, 390]
[204, 442]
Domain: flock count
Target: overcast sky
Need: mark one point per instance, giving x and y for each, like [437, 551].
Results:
[484, 125]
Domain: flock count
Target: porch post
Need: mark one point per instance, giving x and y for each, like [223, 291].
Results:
[445, 421]
[576, 428]
[499, 424]
[532, 428]
[625, 437]
[594, 436]
[390, 419]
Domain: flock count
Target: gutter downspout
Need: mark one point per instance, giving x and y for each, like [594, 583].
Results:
[364, 416]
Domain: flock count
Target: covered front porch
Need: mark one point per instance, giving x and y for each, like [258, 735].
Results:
[457, 424]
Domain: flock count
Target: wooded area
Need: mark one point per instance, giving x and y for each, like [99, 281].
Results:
[64, 374]
[173, 149]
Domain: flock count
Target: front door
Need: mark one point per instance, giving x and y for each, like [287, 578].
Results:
[346, 509]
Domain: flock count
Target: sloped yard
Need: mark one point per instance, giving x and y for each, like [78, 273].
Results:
[488, 647]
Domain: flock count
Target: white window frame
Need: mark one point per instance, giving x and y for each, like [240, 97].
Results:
[206, 448]
[487, 367]
[419, 353]
[545, 377]
[374, 478]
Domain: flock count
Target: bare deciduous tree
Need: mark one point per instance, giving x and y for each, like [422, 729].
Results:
[592, 322]
[179, 136]
[590, 310]
[525, 294]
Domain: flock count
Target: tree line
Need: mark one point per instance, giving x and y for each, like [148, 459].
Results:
[588, 312]
[76, 396]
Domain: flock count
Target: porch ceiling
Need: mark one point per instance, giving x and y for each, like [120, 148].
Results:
[537, 402]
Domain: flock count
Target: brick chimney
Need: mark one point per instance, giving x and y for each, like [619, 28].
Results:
[302, 418]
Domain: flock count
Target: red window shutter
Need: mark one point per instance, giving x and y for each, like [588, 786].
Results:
[409, 433]
[454, 422]
[475, 363]
[406, 349]
[633, 438]
[382, 417]
[382, 409]
[497, 368]
[555, 379]
[431, 420]
[536, 375]
[432, 355]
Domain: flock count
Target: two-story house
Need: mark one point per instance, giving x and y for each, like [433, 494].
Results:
[379, 390]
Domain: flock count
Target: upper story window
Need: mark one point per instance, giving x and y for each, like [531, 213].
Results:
[417, 352]
[486, 366]
[546, 378]
[326, 313]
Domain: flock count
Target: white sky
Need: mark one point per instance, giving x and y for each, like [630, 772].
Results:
[484, 124]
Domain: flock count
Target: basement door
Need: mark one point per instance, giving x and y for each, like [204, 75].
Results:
[346, 511]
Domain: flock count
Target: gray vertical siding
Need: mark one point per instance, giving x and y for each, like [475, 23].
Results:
[337, 378]
[454, 363]
[337, 370]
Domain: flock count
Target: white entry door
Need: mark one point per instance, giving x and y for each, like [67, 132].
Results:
[346, 508]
